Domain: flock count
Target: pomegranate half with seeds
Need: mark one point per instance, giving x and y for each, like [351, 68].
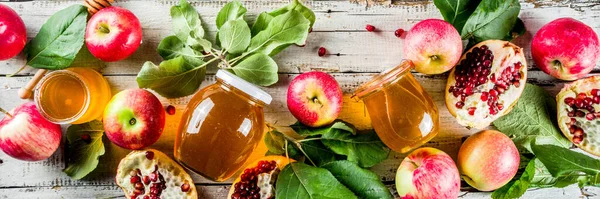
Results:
[150, 174]
[486, 83]
[258, 179]
[579, 113]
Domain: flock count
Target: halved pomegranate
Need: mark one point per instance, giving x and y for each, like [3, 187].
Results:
[579, 113]
[257, 181]
[150, 174]
[486, 83]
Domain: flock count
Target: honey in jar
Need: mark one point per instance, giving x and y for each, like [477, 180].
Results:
[402, 113]
[75, 95]
[221, 126]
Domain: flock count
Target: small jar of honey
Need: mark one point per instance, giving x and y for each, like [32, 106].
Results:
[402, 113]
[221, 126]
[75, 95]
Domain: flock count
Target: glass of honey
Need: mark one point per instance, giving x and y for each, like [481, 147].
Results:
[221, 126]
[402, 113]
[75, 95]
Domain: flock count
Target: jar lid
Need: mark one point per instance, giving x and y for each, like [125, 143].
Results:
[383, 79]
[244, 86]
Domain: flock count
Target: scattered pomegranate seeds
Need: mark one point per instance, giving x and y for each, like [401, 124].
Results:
[399, 32]
[170, 110]
[185, 187]
[149, 155]
[322, 51]
[471, 110]
[370, 28]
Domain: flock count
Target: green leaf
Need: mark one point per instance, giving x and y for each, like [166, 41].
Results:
[303, 130]
[296, 5]
[59, 40]
[231, 11]
[365, 149]
[172, 78]
[82, 155]
[261, 23]
[258, 69]
[235, 36]
[185, 20]
[318, 153]
[491, 19]
[298, 180]
[285, 29]
[532, 120]
[517, 30]
[364, 183]
[456, 12]
[198, 44]
[516, 188]
[275, 142]
[560, 161]
[85, 59]
[172, 47]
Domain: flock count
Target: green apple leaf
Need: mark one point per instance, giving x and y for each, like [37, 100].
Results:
[59, 40]
[456, 12]
[186, 20]
[298, 180]
[491, 20]
[258, 69]
[309, 131]
[365, 149]
[516, 188]
[171, 47]
[84, 58]
[171, 79]
[261, 23]
[364, 183]
[283, 30]
[231, 11]
[235, 36]
[560, 161]
[84, 149]
[296, 5]
[317, 152]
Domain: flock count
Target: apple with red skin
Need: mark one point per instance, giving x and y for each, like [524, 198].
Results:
[566, 49]
[13, 35]
[26, 135]
[488, 160]
[427, 173]
[314, 98]
[113, 34]
[433, 45]
[134, 119]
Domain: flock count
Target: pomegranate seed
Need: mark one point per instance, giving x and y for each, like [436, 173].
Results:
[471, 110]
[133, 173]
[134, 179]
[493, 78]
[459, 104]
[571, 114]
[590, 109]
[370, 28]
[493, 93]
[518, 65]
[569, 101]
[146, 180]
[139, 186]
[596, 92]
[590, 116]
[153, 177]
[580, 113]
[322, 51]
[516, 83]
[577, 140]
[170, 110]
[185, 187]
[579, 103]
[581, 96]
[596, 100]
[572, 128]
[493, 111]
[469, 90]
[587, 101]
[484, 96]
[146, 197]
[399, 32]
[149, 155]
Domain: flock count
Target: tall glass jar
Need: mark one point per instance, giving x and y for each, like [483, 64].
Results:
[75, 95]
[221, 126]
[402, 113]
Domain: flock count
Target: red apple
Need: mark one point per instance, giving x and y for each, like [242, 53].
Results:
[433, 45]
[314, 98]
[13, 34]
[566, 49]
[488, 160]
[26, 135]
[134, 119]
[427, 173]
[113, 34]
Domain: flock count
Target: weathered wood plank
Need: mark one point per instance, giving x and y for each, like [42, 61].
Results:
[339, 28]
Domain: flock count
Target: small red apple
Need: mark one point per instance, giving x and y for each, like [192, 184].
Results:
[427, 173]
[13, 35]
[566, 49]
[134, 119]
[433, 45]
[488, 160]
[26, 135]
[113, 34]
[314, 98]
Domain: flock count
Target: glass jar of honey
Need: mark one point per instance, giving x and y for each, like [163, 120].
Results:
[402, 113]
[75, 95]
[221, 126]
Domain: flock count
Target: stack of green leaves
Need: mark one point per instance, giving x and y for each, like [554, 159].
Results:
[245, 50]
[480, 20]
[532, 127]
[332, 162]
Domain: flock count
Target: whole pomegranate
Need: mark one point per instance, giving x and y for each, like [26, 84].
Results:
[152, 174]
[487, 83]
[577, 116]
[13, 34]
[258, 178]
[566, 49]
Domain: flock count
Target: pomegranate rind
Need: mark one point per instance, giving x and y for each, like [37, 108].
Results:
[281, 163]
[591, 140]
[173, 174]
[505, 54]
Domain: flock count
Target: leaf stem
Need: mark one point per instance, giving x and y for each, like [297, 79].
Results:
[5, 112]
[18, 71]
[308, 139]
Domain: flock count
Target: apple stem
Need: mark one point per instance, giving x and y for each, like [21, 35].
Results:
[102, 28]
[5, 112]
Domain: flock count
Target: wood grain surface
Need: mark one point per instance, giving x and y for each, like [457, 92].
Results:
[355, 55]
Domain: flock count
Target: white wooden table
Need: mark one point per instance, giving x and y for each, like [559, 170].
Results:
[354, 56]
